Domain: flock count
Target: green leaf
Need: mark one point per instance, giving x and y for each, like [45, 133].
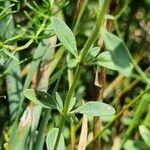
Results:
[133, 145]
[59, 102]
[41, 98]
[72, 103]
[95, 109]
[104, 59]
[118, 52]
[51, 139]
[94, 51]
[92, 54]
[145, 134]
[72, 63]
[65, 35]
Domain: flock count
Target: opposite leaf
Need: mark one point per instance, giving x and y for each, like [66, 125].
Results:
[41, 98]
[65, 35]
[95, 109]
[51, 139]
[118, 52]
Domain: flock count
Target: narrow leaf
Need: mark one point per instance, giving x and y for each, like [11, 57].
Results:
[59, 101]
[72, 103]
[51, 139]
[93, 52]
[118, 52]
[65, 35]
[41, 98]
[95, 109]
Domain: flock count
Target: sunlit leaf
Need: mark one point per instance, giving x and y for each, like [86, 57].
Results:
[95, 109]
[51, 139]
[72, 103]
[65, 35]
[59, 101]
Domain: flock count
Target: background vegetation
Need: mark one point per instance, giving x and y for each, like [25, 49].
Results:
[105, 57]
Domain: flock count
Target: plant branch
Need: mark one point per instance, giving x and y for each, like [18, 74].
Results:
[118, 115]
[84, 53]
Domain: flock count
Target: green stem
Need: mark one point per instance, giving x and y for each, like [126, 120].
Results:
[59, 132]
[138, 69]
[124, 8]
[79, 16]
[146, 121]
[53, 65]
[72, 88]
[95, 33]
[136, 66]
[38, 145]
[70, 71]
[70, 81]
[117, 28]
[142, 107]
[84, 52]
[117, 116]
[41, 135]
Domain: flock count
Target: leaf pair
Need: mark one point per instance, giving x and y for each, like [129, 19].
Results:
[116, 58]
[90, 108]
[47, 101]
